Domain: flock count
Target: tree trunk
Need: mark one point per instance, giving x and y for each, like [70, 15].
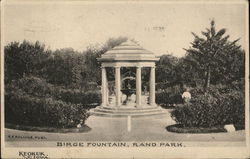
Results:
[207, 84]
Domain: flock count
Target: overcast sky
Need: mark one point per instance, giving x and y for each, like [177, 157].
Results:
[162, 28]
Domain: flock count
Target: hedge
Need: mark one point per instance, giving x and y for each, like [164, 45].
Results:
[23, 109]
[38, 87]
[77, 96]
[32, 101]
[219, 106]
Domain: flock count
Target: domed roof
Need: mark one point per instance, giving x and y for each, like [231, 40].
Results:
[128, 51]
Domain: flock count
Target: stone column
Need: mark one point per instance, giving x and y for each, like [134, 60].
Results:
[104, 87]
[138, 86]
[152, 87]
[107, 90]
[118, 86]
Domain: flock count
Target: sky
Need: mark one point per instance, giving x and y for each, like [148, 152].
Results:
[161, 27]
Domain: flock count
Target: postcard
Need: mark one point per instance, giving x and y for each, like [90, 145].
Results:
[124, 79]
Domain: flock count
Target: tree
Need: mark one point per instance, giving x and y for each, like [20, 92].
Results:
[24, 59]
[165, 69]
[215, 55]
[187, 72]
[64, 67]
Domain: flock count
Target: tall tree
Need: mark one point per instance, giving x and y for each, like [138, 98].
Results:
[64, 67]
[214, 53]
[24, 58]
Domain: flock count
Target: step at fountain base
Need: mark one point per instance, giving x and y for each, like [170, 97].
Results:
[127, 111]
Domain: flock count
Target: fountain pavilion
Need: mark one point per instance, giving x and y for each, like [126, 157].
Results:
[129, 55]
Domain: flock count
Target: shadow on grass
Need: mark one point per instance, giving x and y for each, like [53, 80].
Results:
[178, 128]
[83, 129]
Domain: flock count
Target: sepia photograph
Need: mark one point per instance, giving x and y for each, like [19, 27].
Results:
[124, 79]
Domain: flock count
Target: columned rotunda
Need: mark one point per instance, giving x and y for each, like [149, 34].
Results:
[128, 55]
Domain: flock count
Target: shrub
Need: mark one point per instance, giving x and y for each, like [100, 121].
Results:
[33, 86]
[38, 87]
[23, 109]
[34, 102]
[77, 96]
[164, 98]
[219, 106]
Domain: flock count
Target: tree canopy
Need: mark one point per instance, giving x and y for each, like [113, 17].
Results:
[64, 67]
[212, 58]
[221, 60]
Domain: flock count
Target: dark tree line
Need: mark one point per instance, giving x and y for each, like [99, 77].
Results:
[211, 59]
[63, 67]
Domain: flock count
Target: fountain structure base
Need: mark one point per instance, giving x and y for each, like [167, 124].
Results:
[124, 111]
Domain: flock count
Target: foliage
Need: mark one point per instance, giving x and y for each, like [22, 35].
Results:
[166, 99]
[38, 87]
[32, 101]
[165, 69]
[77, 96]
[221, 60]
[188, 73]
[23, 59]
[23, 109]
[73, 69]
[62, 67]
[33, 86]
[40, 79]
[217, 106]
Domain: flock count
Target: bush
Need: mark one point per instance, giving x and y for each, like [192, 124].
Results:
[165, 99]
[38, 87]
[77, 96]
[34, 102]
[23, 109]
[32, 86]
[219, 106]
